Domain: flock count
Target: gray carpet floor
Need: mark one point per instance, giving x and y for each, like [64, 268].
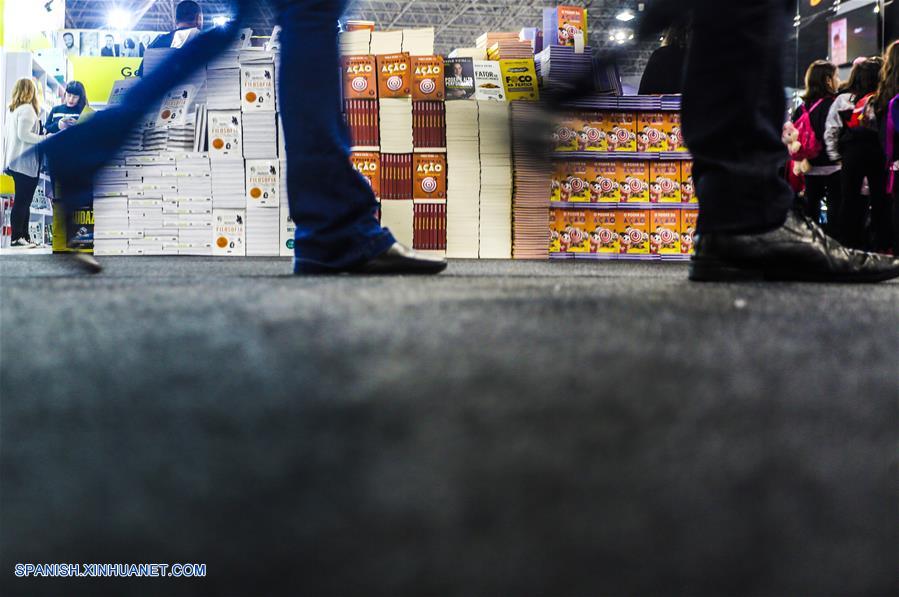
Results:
[503, 429]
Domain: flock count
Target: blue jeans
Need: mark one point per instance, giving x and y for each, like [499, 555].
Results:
[332, 205]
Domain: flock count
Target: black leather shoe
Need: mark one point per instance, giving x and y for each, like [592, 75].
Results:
[799, 250]
[399, 259]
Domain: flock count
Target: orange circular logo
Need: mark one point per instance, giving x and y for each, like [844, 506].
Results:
[251, 97]
[218, 143]
[222, 242]
[255, 192]
[166, 114]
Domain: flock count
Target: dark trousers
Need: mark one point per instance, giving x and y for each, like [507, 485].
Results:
[331, 204]
[21, 208]
[829, 189]
[734, 109]
[863, 157]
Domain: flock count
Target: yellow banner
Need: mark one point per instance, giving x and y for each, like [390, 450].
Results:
[520, 79]
[98, 73]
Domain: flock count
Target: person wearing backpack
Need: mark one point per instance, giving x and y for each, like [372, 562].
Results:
[822, 181]
[885, 108]
[857, 149]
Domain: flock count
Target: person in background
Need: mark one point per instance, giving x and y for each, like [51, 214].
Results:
[69, 111]
[886, 111]
[144, 44]
[188, 24]
[109, 50]
[68, 38]
[859, 152]
[19, 160]
[129, 48]
[823, 181]
[664, 73]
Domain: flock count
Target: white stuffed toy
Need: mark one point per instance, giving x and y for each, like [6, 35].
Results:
[790, 138]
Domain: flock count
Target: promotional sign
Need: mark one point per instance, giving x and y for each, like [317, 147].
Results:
[100, 74]
[519, 79]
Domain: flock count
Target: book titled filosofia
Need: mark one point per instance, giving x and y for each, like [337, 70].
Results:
[229, 232]
[263, 179]
[488, 81]
[224, 132]
[175, 106]
[258, 87]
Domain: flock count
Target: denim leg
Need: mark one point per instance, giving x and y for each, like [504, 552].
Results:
[332, 204]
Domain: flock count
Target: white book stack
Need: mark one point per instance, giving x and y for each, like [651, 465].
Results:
[181, 138]
[263, 230]
[154, 57]
[355, 43]
[260, 135]
[288, 231]
[111, 232]
[463, 180]
[399, 216]
[228, 184]
[223, 88]
[496, 180]
[395, 116]
[282, 172]
[386, 42]
[193, 205]
[474, 53]
[111, 179]
[419, 42]
[155, 140]
[225, 134]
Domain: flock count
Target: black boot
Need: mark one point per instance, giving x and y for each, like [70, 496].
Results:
[798, 250]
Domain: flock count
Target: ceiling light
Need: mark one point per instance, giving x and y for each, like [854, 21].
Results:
[220, 20]
[118, 18]
[626, 15]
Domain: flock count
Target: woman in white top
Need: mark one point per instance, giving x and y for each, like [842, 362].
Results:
[19, 161]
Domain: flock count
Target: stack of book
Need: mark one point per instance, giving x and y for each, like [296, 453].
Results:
[396, 176]
[398, 216]
[223, 81]
[418, 42]
[260, 135]
[257, 80]
[531, 193]
[386, 42]
[229, 232]
[395, 124]
[464, 180]
[428, 125]
[562, 65]
[355, 43]
[362, 119]
[429, 226]
[496, 181]
[473, 53]
[111, 232]
[505, 45]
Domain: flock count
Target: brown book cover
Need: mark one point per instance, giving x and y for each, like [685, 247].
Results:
[430, 176]
[368, 164]
[394, 76]
[360, 79]
[427, 78]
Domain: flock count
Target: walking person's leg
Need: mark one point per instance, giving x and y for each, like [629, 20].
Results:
[332, 204]
[733, 129]
[881, 216]
[20, 213]
[815, 190]
[834, 201]
[855, 205]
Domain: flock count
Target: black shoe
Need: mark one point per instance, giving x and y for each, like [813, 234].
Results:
[798, 250]
[399, 259]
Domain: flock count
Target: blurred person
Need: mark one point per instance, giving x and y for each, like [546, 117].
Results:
[20, 161]
[886, 111]
[90, 43]
[68, 40]
[332, 204]
[109, 49]
[858, 150]
[188, 24]
[69, 111]
[129, 48]
[733, 108]
[823, 181]
[664, 73]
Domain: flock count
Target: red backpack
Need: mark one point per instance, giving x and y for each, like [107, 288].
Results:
[856, 120]
[811, 145]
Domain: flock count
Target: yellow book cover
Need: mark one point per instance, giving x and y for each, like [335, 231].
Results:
[519, 79]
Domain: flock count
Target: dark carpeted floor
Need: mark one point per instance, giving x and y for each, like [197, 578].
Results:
[504, 429]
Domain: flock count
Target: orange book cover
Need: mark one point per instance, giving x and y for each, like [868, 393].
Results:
[633, 182]
[394, 75]
[368, 164]
[604, 186]
[689, 217]
[664, 232]
[674, 132]
[651, 135]
[359, 77]
[603, 231]
[574, 238]
[633, 231]
[687, 186]
[592, 135]
[427, 78]
[621, 131]
[664, 182]
[430, 176]
[578, 181]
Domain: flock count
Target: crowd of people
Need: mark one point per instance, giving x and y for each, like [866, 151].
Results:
[855, 125]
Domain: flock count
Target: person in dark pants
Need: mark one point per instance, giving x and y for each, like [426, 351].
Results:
[823, 181]
[733, 112]
[188, 22]
[20, 161]
[332, 205]
[885, 215]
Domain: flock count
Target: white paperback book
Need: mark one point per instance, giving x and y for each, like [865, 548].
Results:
[257, 87]
[229, 232]
[224, 133]
[263, 182]
[488, 81]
